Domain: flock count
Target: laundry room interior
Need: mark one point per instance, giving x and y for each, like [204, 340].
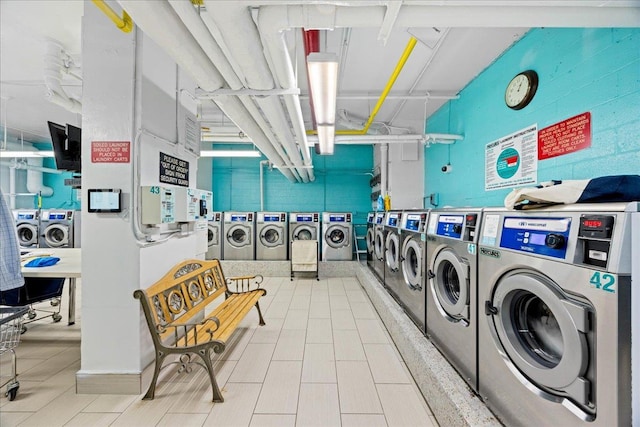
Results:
[336, 213]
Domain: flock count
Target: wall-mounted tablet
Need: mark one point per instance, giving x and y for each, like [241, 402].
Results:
[105, 200]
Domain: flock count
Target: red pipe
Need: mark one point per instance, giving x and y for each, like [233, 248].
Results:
[311, 44]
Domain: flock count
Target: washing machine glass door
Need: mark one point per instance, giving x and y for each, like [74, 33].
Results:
[543, 332]
[336, 236]
[392, 255]
[412, 263]
[239, 236]
[378, 244]
[27, 234]
[56, 235]
[213, 235]
[449, 279]
[370, 240]
[304, 232]
[272, 236]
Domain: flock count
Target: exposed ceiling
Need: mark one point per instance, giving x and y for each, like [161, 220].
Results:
[454, 45]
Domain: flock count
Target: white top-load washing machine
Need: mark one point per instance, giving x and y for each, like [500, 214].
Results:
[452, 271]
[554, 329]
[214, 236]
[272, 231]
[379, 236]
[412, 294]
[239, 236]
[303, 226]
[370, 238]
[393, 280]
[337, 236]
[56, 229]
[27, 227]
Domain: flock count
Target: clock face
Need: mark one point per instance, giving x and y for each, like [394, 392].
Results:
[521, 89]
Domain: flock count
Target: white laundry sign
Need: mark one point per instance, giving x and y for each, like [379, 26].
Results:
[512, 160]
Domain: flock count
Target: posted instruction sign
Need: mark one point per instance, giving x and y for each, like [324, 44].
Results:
[512, 160]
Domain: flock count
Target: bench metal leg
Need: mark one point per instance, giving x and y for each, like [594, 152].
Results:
[160, 356]
[206, 358]
[260, 314]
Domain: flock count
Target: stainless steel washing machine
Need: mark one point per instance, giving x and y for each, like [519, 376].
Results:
[393, 280]
[304, 226]
[452, 272]
[379, 236]
[337, 236]
[27, 226]
[412, 253]
[239, 236]
[214, 236]
[56, 229]
[370, 239]
[554, 330]
[272, 231]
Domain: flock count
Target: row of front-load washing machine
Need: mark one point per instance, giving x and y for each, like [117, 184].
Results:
[47, 228]
[532, 308]
[268, 235]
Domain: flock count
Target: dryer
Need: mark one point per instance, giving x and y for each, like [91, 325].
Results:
[370, 239]
[56, 229]
[303, 226]
[27, 227]
[214, 236]
[272, 231]
[337, 236]
[379, 236]
[239, 236]
[412, 295]
[554, 330]
[452, 271]
[393, 280]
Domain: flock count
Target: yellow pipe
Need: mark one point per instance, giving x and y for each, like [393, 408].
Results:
[383, 96]
[125, 23]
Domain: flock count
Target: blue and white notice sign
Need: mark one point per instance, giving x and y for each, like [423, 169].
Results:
[512, 160]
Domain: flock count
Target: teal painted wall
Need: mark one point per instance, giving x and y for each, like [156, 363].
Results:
[341, 184]
[580, 70]
[63, 197]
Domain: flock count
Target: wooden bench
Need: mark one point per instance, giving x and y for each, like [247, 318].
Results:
[174, 308]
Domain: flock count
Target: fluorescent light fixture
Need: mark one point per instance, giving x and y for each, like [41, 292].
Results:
[31, 154]
[230, 153]
[323, 81]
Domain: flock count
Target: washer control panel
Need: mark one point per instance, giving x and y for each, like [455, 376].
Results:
[304, 217]
[414, 222]
[542, 236]
[393, 219]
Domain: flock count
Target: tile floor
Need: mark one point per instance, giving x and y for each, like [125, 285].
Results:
[324, 358]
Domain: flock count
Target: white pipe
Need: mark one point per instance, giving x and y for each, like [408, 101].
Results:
[262, 164]
[53, 65]
[12, 187]
[154, 18]
[384, 164]
[34, 169]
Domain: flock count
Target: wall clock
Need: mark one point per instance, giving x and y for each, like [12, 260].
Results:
[521, 90]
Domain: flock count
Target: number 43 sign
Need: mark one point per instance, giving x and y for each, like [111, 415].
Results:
[604, 281]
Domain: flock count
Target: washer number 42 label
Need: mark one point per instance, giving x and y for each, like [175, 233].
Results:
[604, 281]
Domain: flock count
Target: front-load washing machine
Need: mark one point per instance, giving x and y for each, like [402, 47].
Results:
[337, 236]
[303, 226]
[412, 294]
[554, 330]
[272, 231]
[393, 280]
[370, 239]
[379, 236]
[56, 229]
[27, 226]
[239, 236]
[452, 269]
[214, 236]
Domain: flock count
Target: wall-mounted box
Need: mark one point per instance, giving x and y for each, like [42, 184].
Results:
[158, 205]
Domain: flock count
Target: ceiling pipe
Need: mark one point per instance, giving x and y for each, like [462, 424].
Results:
[243, 40]
[230, 73]
[311, 44]
[154, 18]
[55, 61]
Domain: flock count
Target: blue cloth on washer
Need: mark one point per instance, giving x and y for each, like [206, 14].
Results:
[44, 261]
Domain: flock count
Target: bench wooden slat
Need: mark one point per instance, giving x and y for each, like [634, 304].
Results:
[174, 304]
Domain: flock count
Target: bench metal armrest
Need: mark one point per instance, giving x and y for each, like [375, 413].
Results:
[190, 330]
[244, 283]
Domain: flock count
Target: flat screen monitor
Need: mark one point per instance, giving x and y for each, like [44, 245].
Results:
[105, 200]
[67, 143]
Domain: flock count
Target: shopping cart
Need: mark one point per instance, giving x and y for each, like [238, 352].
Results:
[10, 331]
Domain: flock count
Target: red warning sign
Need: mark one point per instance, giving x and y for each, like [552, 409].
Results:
[565, 137]
[110, 151]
